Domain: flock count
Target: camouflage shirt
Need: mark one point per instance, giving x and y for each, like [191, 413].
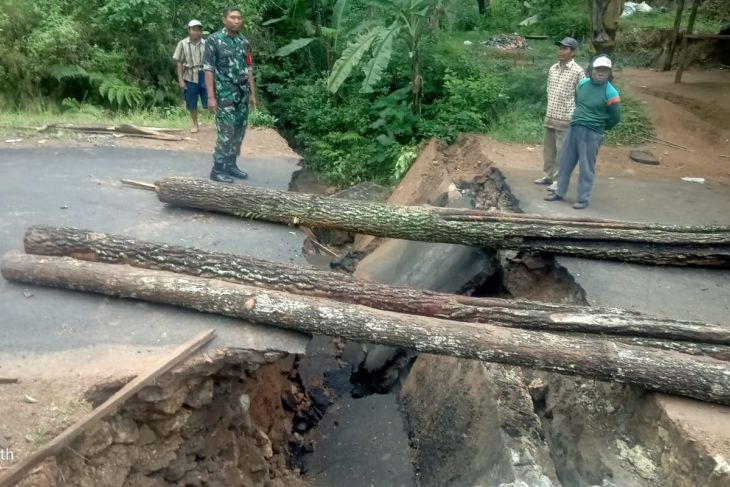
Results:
[229, 57]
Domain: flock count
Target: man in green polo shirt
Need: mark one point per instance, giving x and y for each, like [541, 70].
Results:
[229, 80]
[597, 109]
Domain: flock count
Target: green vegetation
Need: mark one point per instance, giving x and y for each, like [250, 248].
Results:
[354, 84]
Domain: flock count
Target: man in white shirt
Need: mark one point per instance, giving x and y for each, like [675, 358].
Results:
[190, 75]
[563, 79]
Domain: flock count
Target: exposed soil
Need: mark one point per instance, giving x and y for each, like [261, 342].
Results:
[260, 141]
[58, 384]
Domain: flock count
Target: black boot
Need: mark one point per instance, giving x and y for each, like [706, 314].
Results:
[218, 174]
[233, 170]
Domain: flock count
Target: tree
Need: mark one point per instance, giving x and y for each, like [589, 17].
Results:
[484, 6]
[401, 19]
[311, 21]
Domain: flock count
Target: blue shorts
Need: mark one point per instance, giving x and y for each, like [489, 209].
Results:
[193, 91]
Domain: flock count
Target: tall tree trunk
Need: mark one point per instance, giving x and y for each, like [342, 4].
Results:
[484, 6]
[630, 242]
[598, 358]
[99, 247]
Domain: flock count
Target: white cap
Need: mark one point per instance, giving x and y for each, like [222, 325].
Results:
[194, 23]
[602, 62]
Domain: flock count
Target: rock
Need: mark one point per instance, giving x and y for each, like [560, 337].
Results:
[139, 480]
[166, 426]
[200, 396]
[98, 438]
[146, 435]
[220, 439]
[354, 354]
[151, 394]
[195, 423]
[48, 475]
[643, 157]
[178, 468]
[112, 467]
[98, 393]
[264, 443]
[174, 401]
[638, 458]
[124, 430]
[158, 456]
[313, 367]
[538, 389]
[245, 401]
[474, 424]
[196, 478]
[365, 191]
[253, 462]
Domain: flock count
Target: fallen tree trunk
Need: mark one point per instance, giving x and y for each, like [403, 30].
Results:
[124, 129]
[631, 242]
[86, 245]
[598, 358]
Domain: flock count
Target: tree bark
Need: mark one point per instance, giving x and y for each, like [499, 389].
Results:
[99, 247]
[600, 239]
[598, 358]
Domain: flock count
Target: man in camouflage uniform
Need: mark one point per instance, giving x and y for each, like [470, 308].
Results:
[229, 80]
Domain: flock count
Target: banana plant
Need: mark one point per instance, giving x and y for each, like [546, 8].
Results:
[400, 19]
[329, 35]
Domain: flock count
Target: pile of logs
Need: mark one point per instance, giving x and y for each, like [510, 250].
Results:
[677, 357]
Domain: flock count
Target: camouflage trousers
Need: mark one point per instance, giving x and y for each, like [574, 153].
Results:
[231, 120]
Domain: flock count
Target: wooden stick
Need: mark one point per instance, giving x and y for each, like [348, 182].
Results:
[313, 238]
[16, 473]
[683, 60]
[675, 35]
[139, 184]
[8, 380]
[668, 142]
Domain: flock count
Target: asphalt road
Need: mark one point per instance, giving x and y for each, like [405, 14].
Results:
[674, 292]
[81, 188]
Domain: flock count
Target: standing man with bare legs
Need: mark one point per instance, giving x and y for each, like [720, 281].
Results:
[189, 58]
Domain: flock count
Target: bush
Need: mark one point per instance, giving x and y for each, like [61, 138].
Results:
[563, 18]
[635, 126]
[469, 105]
[261, 118]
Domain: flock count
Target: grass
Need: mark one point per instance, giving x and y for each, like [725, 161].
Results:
[665, 20]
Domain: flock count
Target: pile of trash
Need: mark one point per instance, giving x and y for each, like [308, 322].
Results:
[506, 41]
[630, 8]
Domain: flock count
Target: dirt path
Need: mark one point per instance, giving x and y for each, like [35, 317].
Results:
[259, 141]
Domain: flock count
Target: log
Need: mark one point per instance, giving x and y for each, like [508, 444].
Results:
[177, 356]
[600, 358]
[124, 129]
[100, 247]
[631, 242]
